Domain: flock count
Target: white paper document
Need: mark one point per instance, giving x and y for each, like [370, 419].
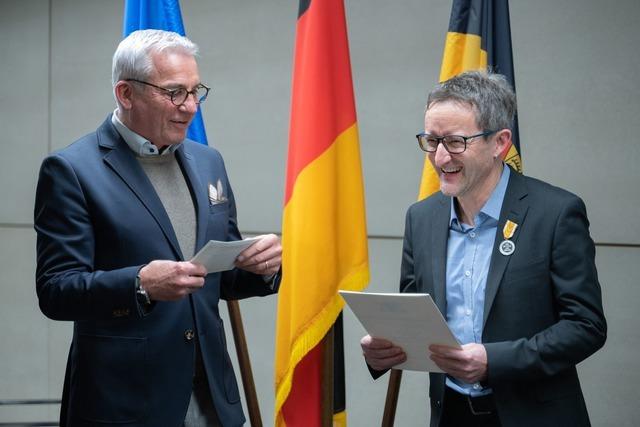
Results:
[220, 256]
[410, 321]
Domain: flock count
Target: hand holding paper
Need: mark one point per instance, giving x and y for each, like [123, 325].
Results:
[264, 257]
[468, 363]
[412, 322]
[259, 255]
[381, 354]
[220, 256]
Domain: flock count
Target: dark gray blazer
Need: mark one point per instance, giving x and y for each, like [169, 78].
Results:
[543, 307]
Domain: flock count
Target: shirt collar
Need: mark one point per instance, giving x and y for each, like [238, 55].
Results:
[138, 144]
[493, 205]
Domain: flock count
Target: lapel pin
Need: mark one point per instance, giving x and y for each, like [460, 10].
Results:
[507, 247]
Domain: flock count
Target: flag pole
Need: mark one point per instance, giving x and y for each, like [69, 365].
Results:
[391, 402]
[244, 362]
[327, 378]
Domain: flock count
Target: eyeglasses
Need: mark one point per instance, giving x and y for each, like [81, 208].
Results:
[454, 144]
[179, 96]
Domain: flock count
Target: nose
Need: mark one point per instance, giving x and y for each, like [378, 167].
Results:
[190, 104]
[441, 156]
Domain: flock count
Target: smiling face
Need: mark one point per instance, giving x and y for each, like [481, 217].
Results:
[149, 111]
[472, 175]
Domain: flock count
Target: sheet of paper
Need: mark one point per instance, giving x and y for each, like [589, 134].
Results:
[220, 256]
[411, 321]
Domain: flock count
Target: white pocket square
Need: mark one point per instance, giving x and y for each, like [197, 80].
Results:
[216, 194]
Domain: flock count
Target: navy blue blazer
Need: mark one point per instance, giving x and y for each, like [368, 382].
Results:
[98, 220]
[543, 306]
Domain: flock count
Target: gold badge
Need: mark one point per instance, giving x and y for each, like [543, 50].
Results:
[507, 247]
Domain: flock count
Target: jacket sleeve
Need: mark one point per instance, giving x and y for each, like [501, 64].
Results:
[580, 328]
[67, 285]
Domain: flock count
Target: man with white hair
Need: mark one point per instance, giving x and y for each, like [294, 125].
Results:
[118, 216]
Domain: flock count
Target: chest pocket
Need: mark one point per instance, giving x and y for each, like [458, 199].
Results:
[218, 221]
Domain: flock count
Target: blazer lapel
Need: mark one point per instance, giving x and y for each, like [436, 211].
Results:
[198, 192]
[124, 164]
[514, 208]
[439, 236]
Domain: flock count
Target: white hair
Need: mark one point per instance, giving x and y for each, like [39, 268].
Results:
[132, 58]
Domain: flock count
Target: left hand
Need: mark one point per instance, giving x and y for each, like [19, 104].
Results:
[468, 364]
[263, 257]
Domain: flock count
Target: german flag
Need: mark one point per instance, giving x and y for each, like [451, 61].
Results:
[324, 234]
[479, 38]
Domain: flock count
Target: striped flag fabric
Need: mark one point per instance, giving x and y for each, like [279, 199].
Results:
[478, 38]
[161, 15]
[324, 235]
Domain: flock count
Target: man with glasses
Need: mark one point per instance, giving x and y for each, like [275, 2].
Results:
[509, 262]
[118, 216]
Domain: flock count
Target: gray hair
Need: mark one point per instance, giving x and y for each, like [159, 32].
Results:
[489, 94]
[132, 59]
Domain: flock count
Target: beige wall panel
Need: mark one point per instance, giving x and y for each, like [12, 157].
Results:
[24, 49]
[578, 91]
[84, 35]
[24, 338]
[59, 338]
[609, 378]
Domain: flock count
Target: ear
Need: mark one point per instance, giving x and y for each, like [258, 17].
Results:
[124, 93]
[503, 143]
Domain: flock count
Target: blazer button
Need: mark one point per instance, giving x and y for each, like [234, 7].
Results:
[438, 404]
[189, 334]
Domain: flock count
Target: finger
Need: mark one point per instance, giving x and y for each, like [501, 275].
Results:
[189, 268]
[268, 246]
[255, 248]
[385, 353]
[445, 365]
[385, 363]
[191, 282]
[258, 261]
[438, 348]
[198, 269]
[273, 265]
[456, 369]
[370, 342]
[446, 352]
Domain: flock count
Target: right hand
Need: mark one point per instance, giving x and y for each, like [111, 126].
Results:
[171, 280]
[381, 354]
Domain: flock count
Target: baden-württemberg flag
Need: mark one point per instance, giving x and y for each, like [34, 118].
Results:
[479, 38]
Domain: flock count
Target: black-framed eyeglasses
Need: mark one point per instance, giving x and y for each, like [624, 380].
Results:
[179, 96]
[454, 144]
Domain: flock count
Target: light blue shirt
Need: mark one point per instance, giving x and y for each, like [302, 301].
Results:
[468, 257]
[138, 144]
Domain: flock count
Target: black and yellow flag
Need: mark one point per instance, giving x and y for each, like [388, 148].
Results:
[479, 38]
